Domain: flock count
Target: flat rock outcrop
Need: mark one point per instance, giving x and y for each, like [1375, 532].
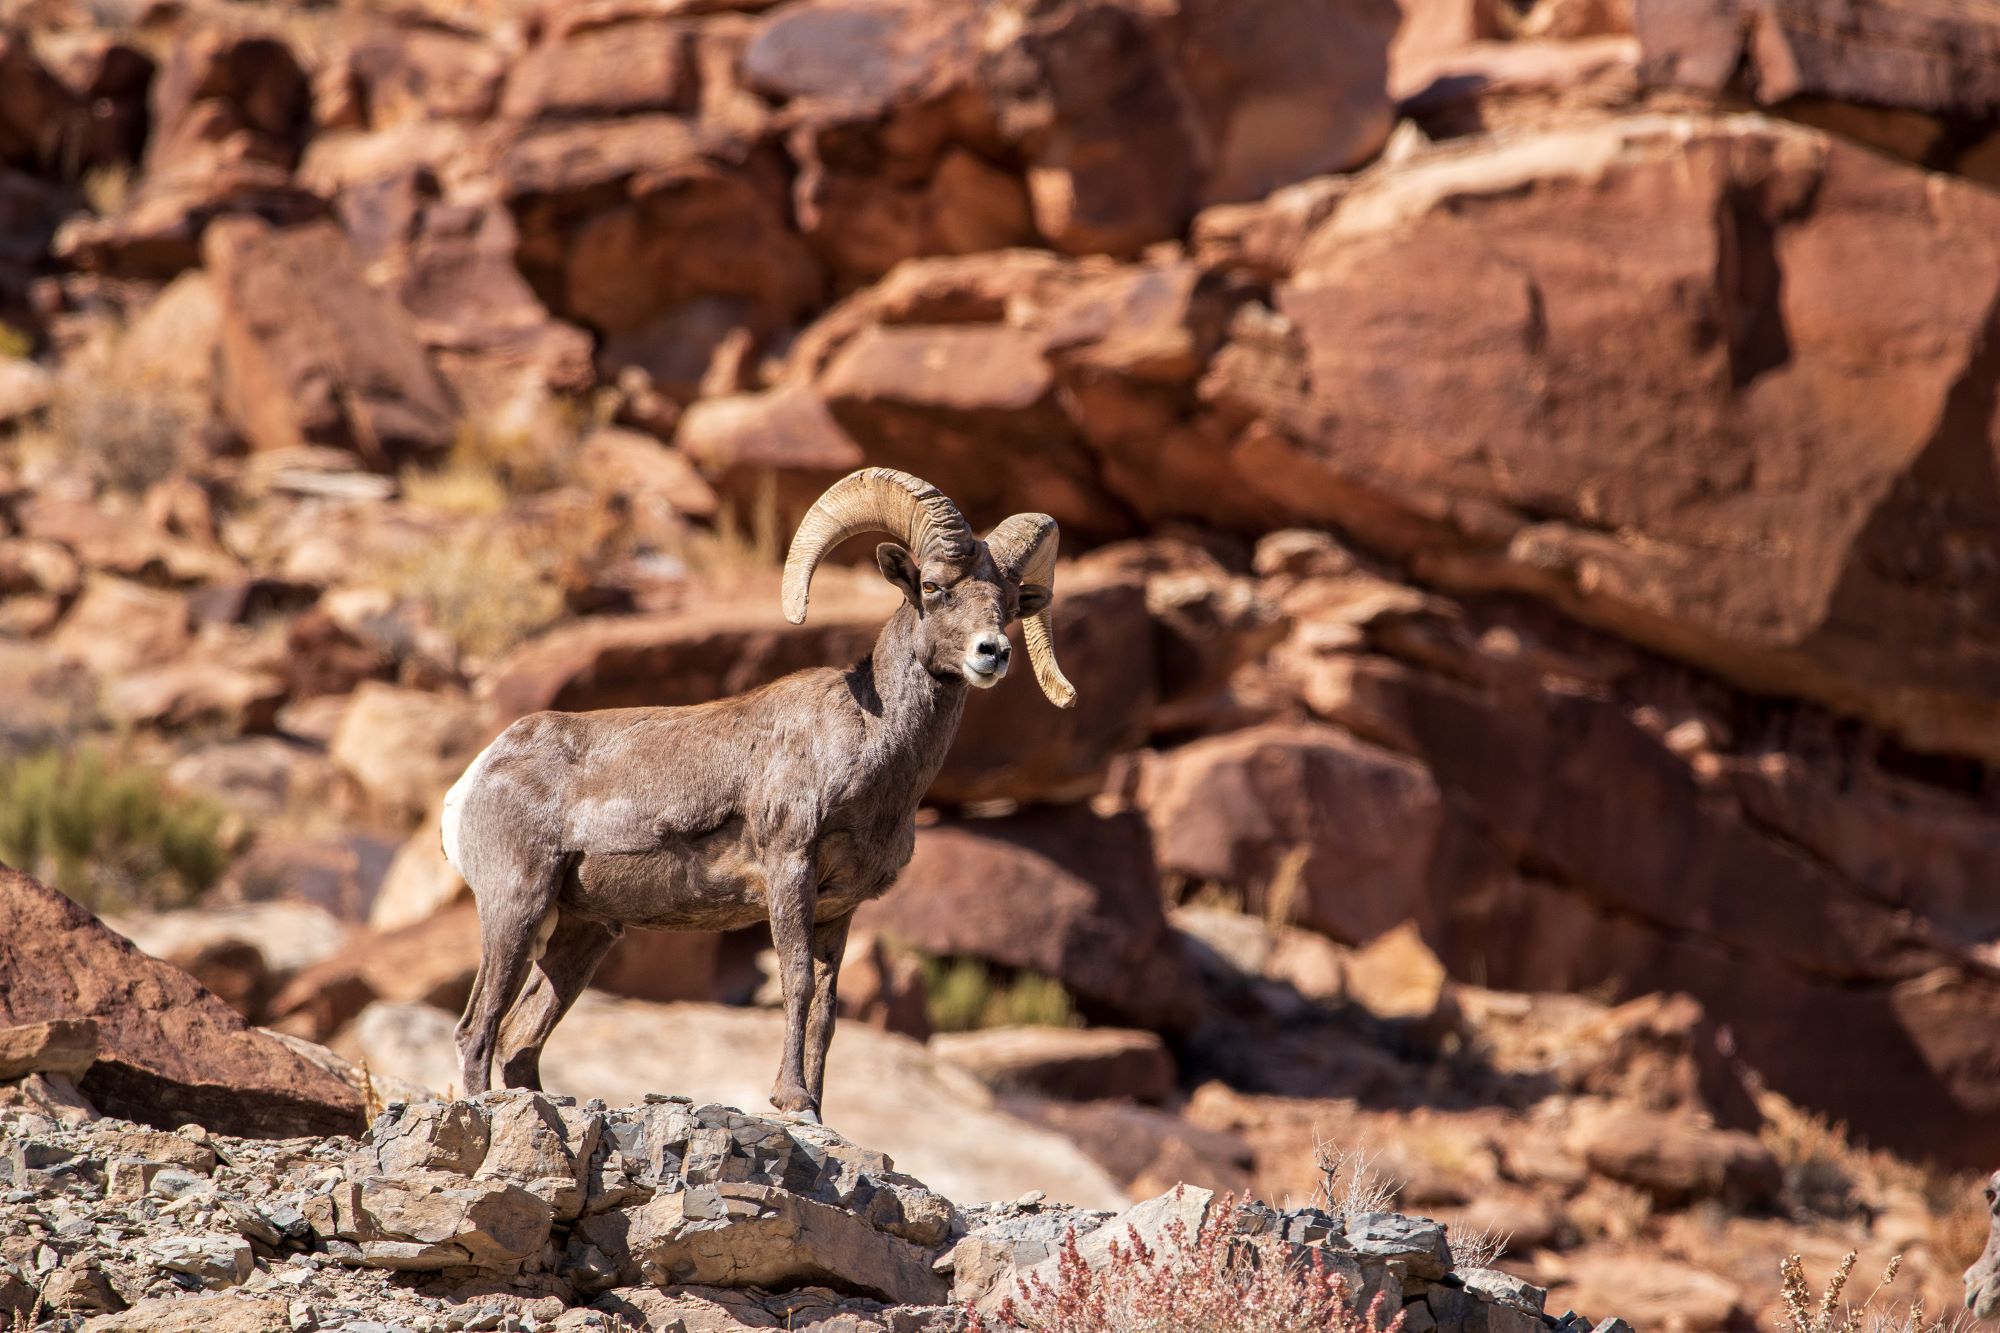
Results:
[882, 1088]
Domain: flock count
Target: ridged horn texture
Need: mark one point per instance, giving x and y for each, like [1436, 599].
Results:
[875, 499]
[1024, 547]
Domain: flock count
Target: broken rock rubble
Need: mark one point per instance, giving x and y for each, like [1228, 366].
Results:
[519, 1210]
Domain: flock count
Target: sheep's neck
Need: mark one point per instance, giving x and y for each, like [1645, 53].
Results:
[912, 715]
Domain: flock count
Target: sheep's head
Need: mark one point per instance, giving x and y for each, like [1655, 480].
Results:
[1982, 1280]
[965, 590]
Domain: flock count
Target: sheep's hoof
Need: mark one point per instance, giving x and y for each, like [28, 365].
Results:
[810, 1116]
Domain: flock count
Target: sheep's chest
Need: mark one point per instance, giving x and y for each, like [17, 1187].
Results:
[858, 864]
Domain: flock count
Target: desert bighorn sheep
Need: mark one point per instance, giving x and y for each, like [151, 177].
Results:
[795, 802]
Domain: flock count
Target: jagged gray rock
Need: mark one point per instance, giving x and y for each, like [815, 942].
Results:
[430, 1220]
[1416, 1243]
[521, 1211]
[216, 1261]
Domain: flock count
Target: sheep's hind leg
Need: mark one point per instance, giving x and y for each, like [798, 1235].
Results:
[511, 930]
[576, 946]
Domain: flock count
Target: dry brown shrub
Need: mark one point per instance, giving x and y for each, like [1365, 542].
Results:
[1477, 1249]
[125, 433]
[483, 594]
[1349, 1183]
[1828, 1313]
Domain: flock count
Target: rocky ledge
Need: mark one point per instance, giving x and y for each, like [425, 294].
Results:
[524, 1211]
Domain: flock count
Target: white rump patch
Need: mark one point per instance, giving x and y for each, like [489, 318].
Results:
[454, 803]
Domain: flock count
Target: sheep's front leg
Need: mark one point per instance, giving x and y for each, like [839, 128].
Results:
[794, 901]
[829, 942]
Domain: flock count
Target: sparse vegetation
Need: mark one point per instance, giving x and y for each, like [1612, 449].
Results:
[1827, 1313]
[963, 994]
[1477, 1249]
[455, 489]
[479, 590]
[108, 188]
[1215, 1280]
[537, 455]
[122, 431]
[34, 1316]
[1281, 895]
[1827, 1174]
[736, 546]
[1818, 1161]
[488, 465]
[1350, 1184]
[109, 834]
[520, 543]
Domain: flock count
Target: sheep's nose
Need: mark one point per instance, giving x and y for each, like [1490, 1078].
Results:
[991, 648]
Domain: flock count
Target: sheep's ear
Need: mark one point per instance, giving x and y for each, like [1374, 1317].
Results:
[900, 568]
[1034, 597]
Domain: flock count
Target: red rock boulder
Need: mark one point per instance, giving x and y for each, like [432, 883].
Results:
[313, 355]
[1874, 53]
[1784, 476]
[1132, 117]
[685, 658]
[169, 1052]
[662, 234]
[1306, 821]
[1054, 890]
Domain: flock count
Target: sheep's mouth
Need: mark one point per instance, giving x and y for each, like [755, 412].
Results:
[1983, 1299]
[979, 677]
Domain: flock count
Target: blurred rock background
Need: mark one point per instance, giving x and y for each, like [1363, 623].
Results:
[1531, 485]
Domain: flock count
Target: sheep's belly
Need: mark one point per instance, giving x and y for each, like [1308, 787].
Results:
[669, 889]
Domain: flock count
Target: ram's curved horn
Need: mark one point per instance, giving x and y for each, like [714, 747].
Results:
[875, 499]
[1024, 547]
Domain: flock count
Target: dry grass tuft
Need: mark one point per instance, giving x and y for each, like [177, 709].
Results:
[1287, 886]
[733, 549]
[108, 188]
[371, 1100]
[482, 593]
[1825, 1172]
[489, 465]
[460, 491]
[124, 432]
[36, 1310]
[1960, 1221]
[1827, 1313]
[1349, 1183]
[1217, 1280]
[1477, 1249]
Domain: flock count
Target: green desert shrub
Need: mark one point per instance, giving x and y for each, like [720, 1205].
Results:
[964, 994]
[109, 834]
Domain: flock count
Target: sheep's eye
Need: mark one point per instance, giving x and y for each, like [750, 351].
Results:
[930, 587]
